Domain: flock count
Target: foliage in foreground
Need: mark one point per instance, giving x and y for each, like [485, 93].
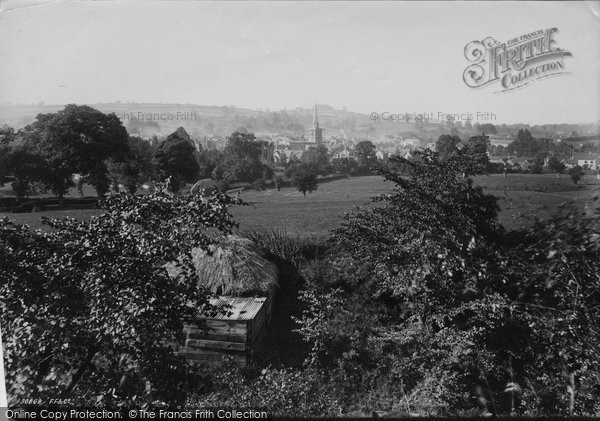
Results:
[426, 306]
[428, 292]
[88, 308]
[423, 305]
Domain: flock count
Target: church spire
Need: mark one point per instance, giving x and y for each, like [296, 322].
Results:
[316, 133]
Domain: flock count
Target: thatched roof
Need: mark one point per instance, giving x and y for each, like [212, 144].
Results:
[235, 266]
[205, 183]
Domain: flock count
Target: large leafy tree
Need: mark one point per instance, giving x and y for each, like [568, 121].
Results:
[305, 179]
[20, 165]
[77, 139]
[447, 145]
[88, 308]
[242, 158]
[208, 159]
[426, 224]
[135, 168]
[400, 271]
[175, 158]
[524, 145]
[25, 168]
[365, 155]
[473, 155]
[317, 158]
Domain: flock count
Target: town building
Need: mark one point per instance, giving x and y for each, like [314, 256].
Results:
[501, 139]
[585, 160]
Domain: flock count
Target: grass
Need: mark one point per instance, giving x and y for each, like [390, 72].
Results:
[522, 197]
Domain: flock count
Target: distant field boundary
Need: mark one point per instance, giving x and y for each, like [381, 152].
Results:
[10, 204]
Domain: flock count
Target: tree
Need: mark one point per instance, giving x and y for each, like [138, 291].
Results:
[473, 155]
[7, 136]
[427, 289]
[399, 273]
[77, 139]
[89, 308]
[20, 165]
[304, 179]
[488, 128]
[432, 203]
[208, 159]
[447, 145]
[242, 158]
[524, 145]
[291, 166]
[24, 168]
[259, 184]
[365, 155]
[267, 173]
[317, 158]
[555, 166]
[576, 173]
[278, 181]
[345, 166]
[175, 158]
[135, 168]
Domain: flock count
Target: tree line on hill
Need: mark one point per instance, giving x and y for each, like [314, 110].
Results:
[80, 145]
[545, 154]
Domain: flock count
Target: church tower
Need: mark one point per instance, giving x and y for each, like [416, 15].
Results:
[316, 133]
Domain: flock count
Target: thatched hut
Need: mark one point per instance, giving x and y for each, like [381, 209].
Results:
[243, 281]
[205, 183]
[235, 266]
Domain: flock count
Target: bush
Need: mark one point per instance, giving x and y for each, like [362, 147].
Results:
[278, 392]
[89, 307]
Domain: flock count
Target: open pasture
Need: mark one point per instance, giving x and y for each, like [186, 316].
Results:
[522, 198]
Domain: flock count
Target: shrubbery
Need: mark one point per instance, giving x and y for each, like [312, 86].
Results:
[423, 305]
[427, 306]
[88, 308]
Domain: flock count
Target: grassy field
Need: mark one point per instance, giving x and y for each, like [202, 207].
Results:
[522, 197]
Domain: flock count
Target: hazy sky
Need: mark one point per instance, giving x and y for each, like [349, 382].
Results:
[392, 57]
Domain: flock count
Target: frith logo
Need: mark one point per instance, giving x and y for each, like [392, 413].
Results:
[514, 63]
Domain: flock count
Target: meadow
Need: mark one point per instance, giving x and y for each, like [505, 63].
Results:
[522, 197]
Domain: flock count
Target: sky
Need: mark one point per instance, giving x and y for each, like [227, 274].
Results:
[383, 57]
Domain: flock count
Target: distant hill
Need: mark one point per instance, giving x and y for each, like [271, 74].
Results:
[202, 121]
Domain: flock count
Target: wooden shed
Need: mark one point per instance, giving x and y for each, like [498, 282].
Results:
[243, 281]
[240, 333]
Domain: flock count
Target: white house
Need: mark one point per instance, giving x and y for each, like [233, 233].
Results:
[584, 160]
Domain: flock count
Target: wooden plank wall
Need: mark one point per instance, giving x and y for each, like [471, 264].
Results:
[238, 339]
